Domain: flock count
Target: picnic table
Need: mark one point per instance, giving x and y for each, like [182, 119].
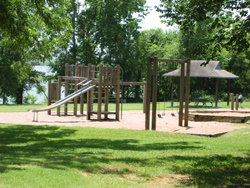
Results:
[202, 101]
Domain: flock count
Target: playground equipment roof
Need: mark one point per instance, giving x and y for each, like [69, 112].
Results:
[212, 70]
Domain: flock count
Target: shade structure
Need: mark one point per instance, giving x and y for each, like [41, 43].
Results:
[198, 69]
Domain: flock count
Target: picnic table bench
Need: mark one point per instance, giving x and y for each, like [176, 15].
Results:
[203, 101]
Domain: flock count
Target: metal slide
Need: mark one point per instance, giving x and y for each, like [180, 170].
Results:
[67, 98]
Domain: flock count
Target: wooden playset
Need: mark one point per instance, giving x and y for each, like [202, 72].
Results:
[101, 82]
[154, 62]
[98, 82]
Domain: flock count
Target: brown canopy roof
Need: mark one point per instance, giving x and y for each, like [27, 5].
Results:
[212, 70]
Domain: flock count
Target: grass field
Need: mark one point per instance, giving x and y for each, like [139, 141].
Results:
[125, 106]
[53, 156]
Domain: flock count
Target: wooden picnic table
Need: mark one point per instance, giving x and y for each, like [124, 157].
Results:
[202, 100]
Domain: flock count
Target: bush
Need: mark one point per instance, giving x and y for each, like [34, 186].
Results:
[30, 99]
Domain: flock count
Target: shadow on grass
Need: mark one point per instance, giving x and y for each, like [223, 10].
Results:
[56, 148]
[215, 170]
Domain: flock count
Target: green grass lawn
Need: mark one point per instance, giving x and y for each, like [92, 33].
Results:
[54, 156]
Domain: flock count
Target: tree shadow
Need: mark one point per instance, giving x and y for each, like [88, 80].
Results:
[214, 170]
[56, 148]
[51, 147]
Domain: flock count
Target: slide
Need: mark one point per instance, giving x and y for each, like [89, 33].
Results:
[87, 87]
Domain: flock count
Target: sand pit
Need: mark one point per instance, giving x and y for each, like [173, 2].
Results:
[222, 115]
[130, 120]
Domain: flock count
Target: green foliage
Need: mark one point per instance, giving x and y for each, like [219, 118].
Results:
[231, 19]
[30, 99]
[34, 26]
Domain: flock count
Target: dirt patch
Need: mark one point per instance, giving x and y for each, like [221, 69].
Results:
[168, 180]
[130, 120]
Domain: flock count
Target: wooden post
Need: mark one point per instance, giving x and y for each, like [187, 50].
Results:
[117, 91]
[106, 83]
[144, 97]
[49, 96]
[59, 94]
[147, 117]
[172, 93]
[75, 99]
[154, 100]
[228, 90]
[187, 92]
[181, 94]
[232, 102]
[237, 102]
[76, 69]
[82, 104]
[66, 88]
[99, 111]
[217, 89]
[89, 101]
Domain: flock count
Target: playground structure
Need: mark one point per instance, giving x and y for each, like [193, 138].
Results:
[98, 83]
[154, 61]
[102, 84]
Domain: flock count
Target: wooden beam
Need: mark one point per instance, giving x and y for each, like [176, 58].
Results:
[89, 104]
[237, 102]
[180, 61]
[106, 83]
[232, 102]
[228, 91]
[216, 96]
[172, 93]
[117, 92]
[154, 105]
[59, 94]
[100, 93]
[49, 96]
[144, 97]
[134, 83]
[187, 92]
[181, 95]
[76, 98]
[148, 95]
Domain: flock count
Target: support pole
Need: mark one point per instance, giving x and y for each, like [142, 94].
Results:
[99, 110]
[75, 99]
[154, 106]
[228, 90]
[49, 96]
[117, 92]
[89, 101]
[172, 93]
[232, 102]
[144, 97]
[59, 94]
[148, 95]
[106, 83]
[181, 94]
[187, 93]
[237, 102]
[217, 89]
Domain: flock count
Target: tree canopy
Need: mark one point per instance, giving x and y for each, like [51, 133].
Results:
[231, 19]
[34, 25]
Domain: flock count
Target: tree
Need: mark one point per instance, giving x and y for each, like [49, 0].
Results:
[29, 30]
[35, 25]
[231, 19]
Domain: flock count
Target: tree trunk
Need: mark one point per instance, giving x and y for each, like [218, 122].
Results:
[19, 96]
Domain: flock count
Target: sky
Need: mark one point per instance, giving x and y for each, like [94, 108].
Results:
[152, 20]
